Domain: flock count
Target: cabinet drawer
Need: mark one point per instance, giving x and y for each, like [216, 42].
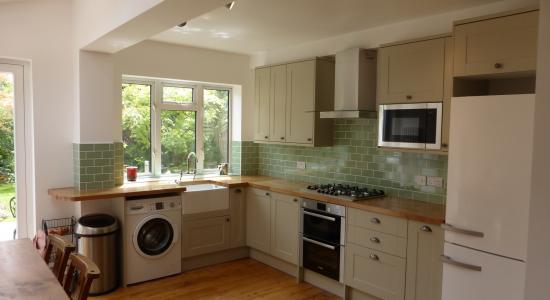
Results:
[376, 273]
[378, 222]
[378, 241]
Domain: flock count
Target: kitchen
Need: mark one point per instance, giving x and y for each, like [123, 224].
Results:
[351, 126]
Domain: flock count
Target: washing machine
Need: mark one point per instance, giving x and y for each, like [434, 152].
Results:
[152, 236]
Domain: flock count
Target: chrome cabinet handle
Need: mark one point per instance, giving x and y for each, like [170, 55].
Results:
[409, 97]
[375, 220]
[498, 65]
[426, 228]
[238, 191]
[319, 216]
[267, 194]
[374, 256]
[295, 200]
[318, 243]
[449, 227]
[375, 240]
[447, 260]
[282, 138]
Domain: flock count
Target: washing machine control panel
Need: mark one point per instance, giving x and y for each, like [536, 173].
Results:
[144, 206]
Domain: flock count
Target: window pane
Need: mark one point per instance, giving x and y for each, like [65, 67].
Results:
[177, 94]
[177, 139]
[216, 127]
[136, 125]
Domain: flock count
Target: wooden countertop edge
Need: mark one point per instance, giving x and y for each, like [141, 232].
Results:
[266, 184]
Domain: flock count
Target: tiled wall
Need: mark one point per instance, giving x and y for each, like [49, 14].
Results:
[244, 158]
[354, 159]
[95, 164]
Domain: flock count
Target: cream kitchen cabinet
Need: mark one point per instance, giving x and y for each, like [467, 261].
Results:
[496, 45]
[289, 113]
[262, 104]
[285, 221]
[206, 235]
[237, 207]
[278, 111]
[424, 266]
[411, 72]
[272, 224]
[258, 219]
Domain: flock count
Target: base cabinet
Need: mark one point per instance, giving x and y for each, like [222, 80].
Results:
[272, 224]
[205, 235]
[424, 266]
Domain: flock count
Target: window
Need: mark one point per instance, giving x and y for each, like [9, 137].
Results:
[162, 122]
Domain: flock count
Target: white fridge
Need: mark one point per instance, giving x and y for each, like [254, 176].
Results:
[488, 190]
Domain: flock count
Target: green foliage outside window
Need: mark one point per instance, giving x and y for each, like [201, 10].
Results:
[7, 157]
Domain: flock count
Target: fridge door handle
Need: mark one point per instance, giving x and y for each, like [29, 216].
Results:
[449, 227]
[447, 260]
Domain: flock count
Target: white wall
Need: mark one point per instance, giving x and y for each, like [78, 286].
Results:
[373, 37]
[162, 60]
[40, 31]
[538, 256]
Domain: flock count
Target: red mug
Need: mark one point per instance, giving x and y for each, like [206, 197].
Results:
[131, 173]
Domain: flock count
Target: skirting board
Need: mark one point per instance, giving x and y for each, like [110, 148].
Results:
[273, 262]
[213, 258]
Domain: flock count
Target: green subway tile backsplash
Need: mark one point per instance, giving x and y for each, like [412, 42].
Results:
[97, 166]
[244, 158]
[353, 159]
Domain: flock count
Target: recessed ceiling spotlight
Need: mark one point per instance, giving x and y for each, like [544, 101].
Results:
[182, 24]
[230, 5]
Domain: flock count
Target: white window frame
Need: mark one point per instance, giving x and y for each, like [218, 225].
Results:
[157, 106]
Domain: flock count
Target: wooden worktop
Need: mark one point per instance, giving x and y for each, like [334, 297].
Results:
[393, 206]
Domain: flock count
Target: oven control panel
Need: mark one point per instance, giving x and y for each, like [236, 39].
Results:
[334, 209]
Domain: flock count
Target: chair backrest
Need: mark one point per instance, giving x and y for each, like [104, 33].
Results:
[57, 254]
[82, 271]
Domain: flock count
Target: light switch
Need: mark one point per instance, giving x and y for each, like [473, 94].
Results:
[435, 181]
[300, 165]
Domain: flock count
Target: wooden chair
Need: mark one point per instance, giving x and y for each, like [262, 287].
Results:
[57, 253]
[82, 271]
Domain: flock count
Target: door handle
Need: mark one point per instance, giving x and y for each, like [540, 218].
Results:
[318, 243]
[319, 216]
[375, 240]
[375, 221]
[449, 227]
[447, 260]
[426, 228]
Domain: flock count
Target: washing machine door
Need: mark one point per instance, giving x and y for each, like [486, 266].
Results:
[155, 236]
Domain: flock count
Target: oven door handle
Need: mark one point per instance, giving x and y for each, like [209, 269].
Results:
[319, 216]
[319, 243]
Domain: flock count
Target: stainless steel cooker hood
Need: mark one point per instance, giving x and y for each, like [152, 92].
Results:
[355, 85]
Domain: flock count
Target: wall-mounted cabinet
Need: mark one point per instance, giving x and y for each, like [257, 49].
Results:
[272, 224]
[498, 44]
[289, 98]
[417, 71]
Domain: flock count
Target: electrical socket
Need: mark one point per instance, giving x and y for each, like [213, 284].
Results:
[301, 165]
[435, 181]
[420, 180]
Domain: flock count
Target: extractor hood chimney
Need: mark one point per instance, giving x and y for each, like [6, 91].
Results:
[355, 85]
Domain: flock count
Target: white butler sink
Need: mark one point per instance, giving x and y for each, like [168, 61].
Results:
[201, 198]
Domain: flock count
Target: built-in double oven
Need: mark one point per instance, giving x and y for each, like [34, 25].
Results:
[323, 238]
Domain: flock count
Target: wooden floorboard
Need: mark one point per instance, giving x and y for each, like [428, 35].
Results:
[241, 279]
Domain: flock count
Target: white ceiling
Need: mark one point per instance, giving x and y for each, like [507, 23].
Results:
[262, 25]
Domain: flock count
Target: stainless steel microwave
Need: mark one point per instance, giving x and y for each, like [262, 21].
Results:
[414, 126]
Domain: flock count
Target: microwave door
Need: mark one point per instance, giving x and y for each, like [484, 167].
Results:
[402, 126]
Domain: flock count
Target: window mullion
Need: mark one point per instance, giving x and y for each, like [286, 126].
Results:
[155, 136]
[199, 128]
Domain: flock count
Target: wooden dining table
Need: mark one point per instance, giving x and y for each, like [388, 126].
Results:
[25, 275]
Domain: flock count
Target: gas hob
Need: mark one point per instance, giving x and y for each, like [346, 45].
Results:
[345, 192]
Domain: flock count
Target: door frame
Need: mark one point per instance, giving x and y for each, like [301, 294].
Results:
[23, 140]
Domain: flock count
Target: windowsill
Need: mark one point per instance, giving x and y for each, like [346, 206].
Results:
[172, 178]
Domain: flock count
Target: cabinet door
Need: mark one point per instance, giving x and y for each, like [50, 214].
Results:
[300, 106]
[284, 227]
[237, 207]
[258, 223]
[205, 235]
[424, 266]
[261, 104]
[277, 118]
[411, 72]
[500, 45]
[373, 272]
